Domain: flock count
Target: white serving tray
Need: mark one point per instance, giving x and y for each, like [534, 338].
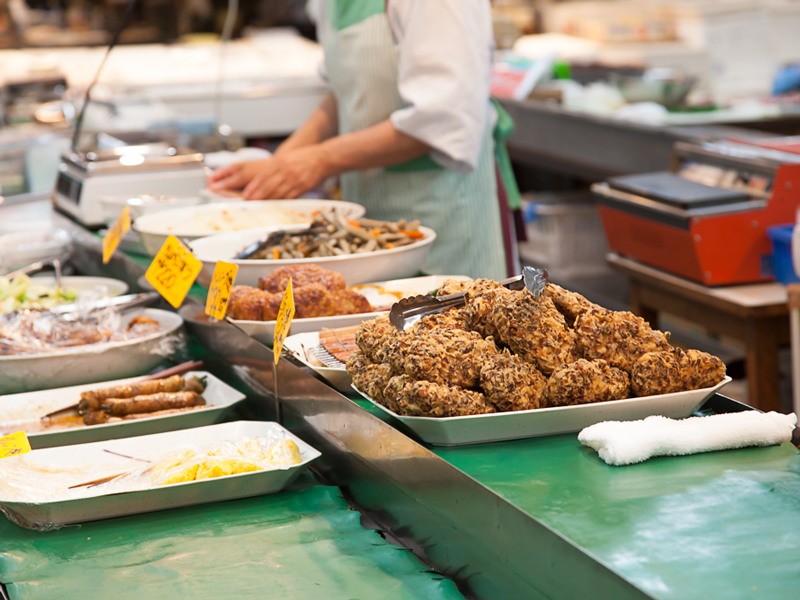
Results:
[264, 331]
[94, 505]
[300, 346]
[90, 363]
[16, 409]
[497, 427]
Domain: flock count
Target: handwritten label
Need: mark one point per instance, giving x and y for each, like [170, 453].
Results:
[16, 443]
[220, 290]
[285, 316]
[173, 271]
[115, 233]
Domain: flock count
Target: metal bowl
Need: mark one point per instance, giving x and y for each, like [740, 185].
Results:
[669, 90]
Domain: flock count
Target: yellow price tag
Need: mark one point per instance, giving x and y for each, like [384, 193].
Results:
[115, 234]
[173, 271]
[220, 290]
[16, 443]
[285, 316]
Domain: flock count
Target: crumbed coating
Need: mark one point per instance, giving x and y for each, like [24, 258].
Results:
[426, 399]
[533, 328]
[375, 334]
[453, 286]
[620, 338]
[583, 382]
[509, 383]
[311, 301]
[349, 302]
[484, 299]
[702, 370]
[370, 378]
[448, 357]
[246, 303]
[301, 275]
[659, 373]
[452, 318]
[394, 352]
[569, 304]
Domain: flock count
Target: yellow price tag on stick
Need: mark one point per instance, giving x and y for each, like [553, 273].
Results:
[115, 233]
[173, 271]
[16, 443]
[220, 290]
[285, 316]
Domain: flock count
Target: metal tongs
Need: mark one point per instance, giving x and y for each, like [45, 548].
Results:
[121, 304]
[38, 266]
[408, 311]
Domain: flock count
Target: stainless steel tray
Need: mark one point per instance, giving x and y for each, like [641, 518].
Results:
[16, 409]
[497, 427]
[93, 505]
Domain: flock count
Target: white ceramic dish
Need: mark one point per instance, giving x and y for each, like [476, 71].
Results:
[17, 409]
[497, 427]
[93, 505]
[194, 222]
[264, 331]
[300, 345]
[19, 250]
[405, 261]
[90, 363]
[80, 283]
[142, 205]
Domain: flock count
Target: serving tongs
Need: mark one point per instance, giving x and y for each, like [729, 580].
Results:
[121, 304]
[40, 265]
[408, 311]
[274, 238]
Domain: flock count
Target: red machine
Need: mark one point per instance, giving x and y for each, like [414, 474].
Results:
[706, 218]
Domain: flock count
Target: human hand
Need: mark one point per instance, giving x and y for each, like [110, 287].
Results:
[289, 174]
[231, 179]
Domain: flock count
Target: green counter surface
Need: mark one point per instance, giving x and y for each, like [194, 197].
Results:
[303, 543]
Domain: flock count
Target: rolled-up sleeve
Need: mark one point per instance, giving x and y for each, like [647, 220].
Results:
[445, 52]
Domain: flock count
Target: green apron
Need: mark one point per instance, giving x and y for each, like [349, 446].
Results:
[361, 61]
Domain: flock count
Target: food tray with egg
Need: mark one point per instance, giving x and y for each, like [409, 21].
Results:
[24, 412]
[101, 480]
[380, 295]
[502, 426]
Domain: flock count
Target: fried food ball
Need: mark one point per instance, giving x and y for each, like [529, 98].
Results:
[569, 304]
[453, 318]
[301, 275]
[448, 357]
[703, 370]
[374, 335]
[484, 299]
[426, 399]
[584, 381]
[454, 286]
[509, 383]
[534, 329]
[659, 373]
[246, 303]
[370, 378]
[620, 338]
[349, 302]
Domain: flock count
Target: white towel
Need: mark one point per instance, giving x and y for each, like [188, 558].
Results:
[629, 442]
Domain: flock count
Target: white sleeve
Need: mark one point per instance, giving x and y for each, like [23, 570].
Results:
[445, 49]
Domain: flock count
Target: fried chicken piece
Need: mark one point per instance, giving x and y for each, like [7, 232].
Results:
[394, 352]
[620, 338]
[534, 329]
[453, 286]
[374, 335]
[484, 299]
[584, 382]
[349, 302]
[370, 378]
[658, 373]
[448, 357]
[453, 318]
[569, 304]
[247, 303]
[312, 300]
[509, 383]
[426, 399]
[301, 275]
[702, 370]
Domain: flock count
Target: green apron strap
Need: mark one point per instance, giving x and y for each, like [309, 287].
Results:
[503, 129]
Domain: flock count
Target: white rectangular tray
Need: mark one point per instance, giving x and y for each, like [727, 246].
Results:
[93, 505]
[497, 427]
[300, 345]
[15, 409]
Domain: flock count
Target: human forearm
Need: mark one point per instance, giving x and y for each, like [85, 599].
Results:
[323, 124]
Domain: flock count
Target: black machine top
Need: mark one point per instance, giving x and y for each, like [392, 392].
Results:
[669, 188]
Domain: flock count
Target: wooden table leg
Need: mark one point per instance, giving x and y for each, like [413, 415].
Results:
[762, 364]
[639, 308]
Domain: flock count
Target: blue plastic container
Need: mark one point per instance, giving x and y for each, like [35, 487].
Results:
[782, 262]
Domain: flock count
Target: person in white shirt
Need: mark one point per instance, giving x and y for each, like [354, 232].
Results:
[408, 126]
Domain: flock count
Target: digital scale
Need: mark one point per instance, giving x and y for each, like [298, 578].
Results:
[706, 219]
[158, 169]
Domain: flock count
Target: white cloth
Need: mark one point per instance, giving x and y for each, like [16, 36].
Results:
[445, 54]
[628, 442]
